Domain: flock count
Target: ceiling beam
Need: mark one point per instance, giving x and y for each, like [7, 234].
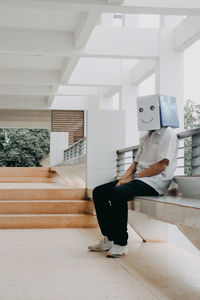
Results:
[96, 85]
[111, 42]
[21, 103]
[3, 97]
[85, 28]
[67, 69]
[26, 77]
[86, 91]
[187, 33]
[65, 73]
[142, 70]
[115, 1]
[32, 90]
[35, 42]
[111, 91]
[107, 42]
[159, 7]
[50, 99]
[26, 90]
[81, 37]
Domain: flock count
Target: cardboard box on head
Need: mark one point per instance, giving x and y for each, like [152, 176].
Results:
[156, 111]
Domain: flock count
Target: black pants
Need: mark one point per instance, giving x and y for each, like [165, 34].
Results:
[112, 209]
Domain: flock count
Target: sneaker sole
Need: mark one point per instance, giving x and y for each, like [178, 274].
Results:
[115, 255]
[98, 250]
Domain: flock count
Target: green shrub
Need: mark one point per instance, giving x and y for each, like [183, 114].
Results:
[23, 147]
[191, 120]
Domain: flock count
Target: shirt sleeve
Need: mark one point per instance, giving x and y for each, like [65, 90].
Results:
[140, 149]
[169, 147]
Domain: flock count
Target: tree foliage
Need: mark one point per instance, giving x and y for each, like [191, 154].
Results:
[191, 120]
[23, 147]
[191, 115]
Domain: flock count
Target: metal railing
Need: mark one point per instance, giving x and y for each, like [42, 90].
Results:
[191, 151]
[125, 158]
[76, 150]
[188, 154]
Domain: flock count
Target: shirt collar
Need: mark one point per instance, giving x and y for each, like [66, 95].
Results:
[160, 131]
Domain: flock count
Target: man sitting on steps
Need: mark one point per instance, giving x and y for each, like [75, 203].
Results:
[149, 175]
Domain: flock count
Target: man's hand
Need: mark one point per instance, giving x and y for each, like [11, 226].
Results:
[153, 170]
[124, 180]
[128, 175]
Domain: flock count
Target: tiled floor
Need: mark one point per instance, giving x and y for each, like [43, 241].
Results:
[54, 264]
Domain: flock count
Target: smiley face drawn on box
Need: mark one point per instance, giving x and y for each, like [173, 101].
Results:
[156, 111]
[148, 113]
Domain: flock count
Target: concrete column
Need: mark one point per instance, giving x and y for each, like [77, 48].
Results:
[128, 103]
[106, 102]
[107, 19]
[129, 92]
[130, 20]
[170, 81]
[105, 135]
[170, 22]
[92, 103]
[170, 68]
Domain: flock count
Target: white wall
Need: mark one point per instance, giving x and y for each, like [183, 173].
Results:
[105, 135]
[58, 143]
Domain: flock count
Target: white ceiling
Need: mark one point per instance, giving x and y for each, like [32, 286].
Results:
[44, 44]
[40, 19]
[28, 62]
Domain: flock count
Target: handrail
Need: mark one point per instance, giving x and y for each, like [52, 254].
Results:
[72, 146]
[127, 149]
[123, 160]
[188, 133]
[180, 135]
[76, 150]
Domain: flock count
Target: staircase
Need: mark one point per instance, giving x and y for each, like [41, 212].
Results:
[29, 198]
[15, 174]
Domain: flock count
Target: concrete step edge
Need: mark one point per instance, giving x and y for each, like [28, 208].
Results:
[46, 201]
[45, 215]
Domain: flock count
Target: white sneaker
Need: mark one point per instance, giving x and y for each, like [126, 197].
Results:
[117, 251]
[103, 245]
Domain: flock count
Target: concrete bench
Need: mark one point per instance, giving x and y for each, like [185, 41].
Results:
[149, 217]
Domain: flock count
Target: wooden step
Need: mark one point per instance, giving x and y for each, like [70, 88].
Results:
[16, 194]
[25, 171]
[47, 221]
[46, 207]
[26, 179]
